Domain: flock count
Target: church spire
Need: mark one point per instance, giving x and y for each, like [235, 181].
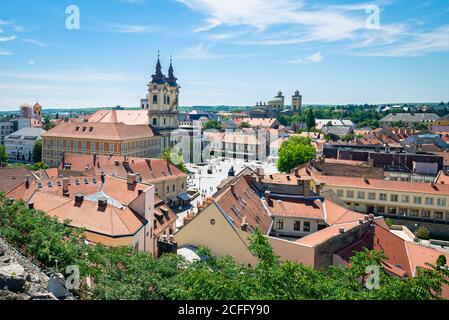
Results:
[171, 79]
[158, 77]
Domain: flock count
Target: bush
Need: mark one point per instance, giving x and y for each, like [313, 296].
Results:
[422, 233]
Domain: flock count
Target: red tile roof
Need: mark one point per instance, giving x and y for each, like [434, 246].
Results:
[100, 131]
[241, 203]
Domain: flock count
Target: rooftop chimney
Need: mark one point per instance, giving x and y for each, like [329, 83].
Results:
[244, 225]
[341, 230]
[79, 197]
[233, 188]
[306, 184]
[297, 172]
[27, 181]
[102, 202]
[31, 205]
[65, 185]
[365, 179]
[131, 178]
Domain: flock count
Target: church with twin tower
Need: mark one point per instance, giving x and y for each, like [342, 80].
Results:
[162, 102]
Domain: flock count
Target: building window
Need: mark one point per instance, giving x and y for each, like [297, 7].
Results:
[403, 211]
[297, 226]
[429, 201]
[340, 193]
[360, 195]
[392, 211]
[350, 194]
[438, 215]
[174, 188]
[306, 226]
[383, 197]
[280, 224]
[441, 202]
[405, 199]
[381, 209]
[154, 121]
[394, 198]
[417, 200]
[414, 212]
[155, 99]
[168, 189]
[371, 196]
[426, 213]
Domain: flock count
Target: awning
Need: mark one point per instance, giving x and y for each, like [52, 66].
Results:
[184, 196]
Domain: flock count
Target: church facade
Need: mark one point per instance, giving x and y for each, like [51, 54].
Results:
[162, 102]
[276, 107]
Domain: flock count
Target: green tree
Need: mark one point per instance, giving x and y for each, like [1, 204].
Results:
[422, 233]
[37, 151]
[3, 154]
[244, 125]
[310, 119]
[47, 124]
[213, 124]
[175, 159]
[294, 152]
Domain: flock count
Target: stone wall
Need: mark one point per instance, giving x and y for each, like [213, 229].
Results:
[20, 279]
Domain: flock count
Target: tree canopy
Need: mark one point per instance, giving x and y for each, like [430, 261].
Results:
[3, 154]
[213, 124]
[37, 151]
[294, 152]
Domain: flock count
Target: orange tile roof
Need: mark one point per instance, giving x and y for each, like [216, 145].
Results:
[239, 200]
[100, 131]
[128, 117]
[330, 232]
[10, 178]
[109, 221]
[150, 170]
[294, 207]
[116, 188]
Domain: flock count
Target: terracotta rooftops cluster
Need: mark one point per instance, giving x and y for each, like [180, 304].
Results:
[149, 170]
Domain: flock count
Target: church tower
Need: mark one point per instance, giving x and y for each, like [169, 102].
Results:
[296, 102]
[162, 103]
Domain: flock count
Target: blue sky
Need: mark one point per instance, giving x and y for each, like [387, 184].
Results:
[232, 52]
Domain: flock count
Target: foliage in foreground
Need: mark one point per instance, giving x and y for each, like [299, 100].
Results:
[121, 273]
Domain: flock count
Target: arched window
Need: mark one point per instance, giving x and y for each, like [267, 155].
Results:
[165, 121]
[168, 100]
[155, 99]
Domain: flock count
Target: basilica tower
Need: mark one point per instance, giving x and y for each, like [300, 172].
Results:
[162, 103]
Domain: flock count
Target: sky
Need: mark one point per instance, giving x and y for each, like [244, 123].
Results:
[233, 52]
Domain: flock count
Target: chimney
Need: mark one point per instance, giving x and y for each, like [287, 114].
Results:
[297, 172]
[361, 221]
[371, 217]
[31, 205]
[260, 172]
[102, 202]
[365, 179]
[131, 178]
[86, 167]
[244, 225]
[306, 184]
[65, 185]
[27, 181]
[366, 217]
[103, 177]
[341, 230]
[317, 189]
[79, 197]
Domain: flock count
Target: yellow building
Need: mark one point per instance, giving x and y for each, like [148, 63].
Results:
[115, 139]
[413, 203]
[443, 121]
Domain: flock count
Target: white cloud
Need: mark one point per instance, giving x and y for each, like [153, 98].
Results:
[313, 58]
[36, 42]
[31, 62]
[4, 52]
[138, 29]
[290, 22]
[6, 39]
[203, 52]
